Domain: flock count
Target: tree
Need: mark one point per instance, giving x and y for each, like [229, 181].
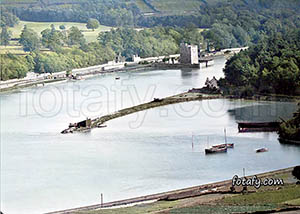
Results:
[29, 39]
[52, 39]
[290, 130]
[5, 36]
[92, 24]
[75, 37]
[7, 18]
[296, 172]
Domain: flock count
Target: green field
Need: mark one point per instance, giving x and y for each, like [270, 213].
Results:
[176, 6]
[40, 26]
[143, 7]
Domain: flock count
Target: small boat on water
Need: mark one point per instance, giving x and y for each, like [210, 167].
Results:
[228, 145]
[261, 150]
[215, 150]
[117, 78]
[221, 148]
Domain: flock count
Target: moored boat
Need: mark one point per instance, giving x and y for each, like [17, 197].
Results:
[228, 145]
[215, 150]
[261, 150]
[258, 126]
[221, 148]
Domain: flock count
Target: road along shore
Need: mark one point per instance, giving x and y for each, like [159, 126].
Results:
[222, 187]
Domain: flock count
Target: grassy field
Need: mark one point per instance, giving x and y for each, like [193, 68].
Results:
[40, 26]
[143, 7]
[175, 6]
[14, 49]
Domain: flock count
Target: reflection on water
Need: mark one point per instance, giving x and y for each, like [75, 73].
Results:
[139, 154]
[264, 112]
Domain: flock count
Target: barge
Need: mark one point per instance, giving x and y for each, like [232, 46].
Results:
[258, 126]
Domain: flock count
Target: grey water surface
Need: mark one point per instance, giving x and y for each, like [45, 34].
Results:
[143, 153]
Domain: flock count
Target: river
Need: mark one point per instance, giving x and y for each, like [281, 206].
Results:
[143, 153]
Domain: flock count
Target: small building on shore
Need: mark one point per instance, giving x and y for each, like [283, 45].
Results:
[120, 59]
[212, 84]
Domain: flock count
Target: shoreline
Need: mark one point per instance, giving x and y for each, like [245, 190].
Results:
[44, 82]
[91, 71]
[205, 189]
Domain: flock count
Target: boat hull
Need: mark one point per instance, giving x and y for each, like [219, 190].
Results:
[228, 145]
[215, 150]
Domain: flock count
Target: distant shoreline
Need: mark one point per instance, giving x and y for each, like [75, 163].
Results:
[96, 70]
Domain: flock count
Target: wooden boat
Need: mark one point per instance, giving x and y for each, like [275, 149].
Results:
[221, 148]
[215, 150]
[228, 145]
[261, 150]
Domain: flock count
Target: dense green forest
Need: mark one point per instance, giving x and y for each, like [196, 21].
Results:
[290, 130]
[149, 42]
[272, 66]
[232, 23]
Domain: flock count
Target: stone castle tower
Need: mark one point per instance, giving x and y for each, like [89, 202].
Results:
[189, 54]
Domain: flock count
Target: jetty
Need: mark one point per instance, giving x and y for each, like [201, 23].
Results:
[88, 124]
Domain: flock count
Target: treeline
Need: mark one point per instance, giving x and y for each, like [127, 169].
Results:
[290, 130]
[231, 23]
[14, 66]
[107, 12]
[149, 42]
[236, 23]
[270, 67]
[69, 49]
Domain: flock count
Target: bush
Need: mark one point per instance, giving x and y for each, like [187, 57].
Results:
[296, 172]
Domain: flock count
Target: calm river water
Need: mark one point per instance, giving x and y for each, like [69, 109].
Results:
[143, 153]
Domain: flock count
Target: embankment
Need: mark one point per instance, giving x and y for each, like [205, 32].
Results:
[222, 187]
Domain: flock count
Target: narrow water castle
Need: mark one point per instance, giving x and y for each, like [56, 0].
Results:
[189, 54]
